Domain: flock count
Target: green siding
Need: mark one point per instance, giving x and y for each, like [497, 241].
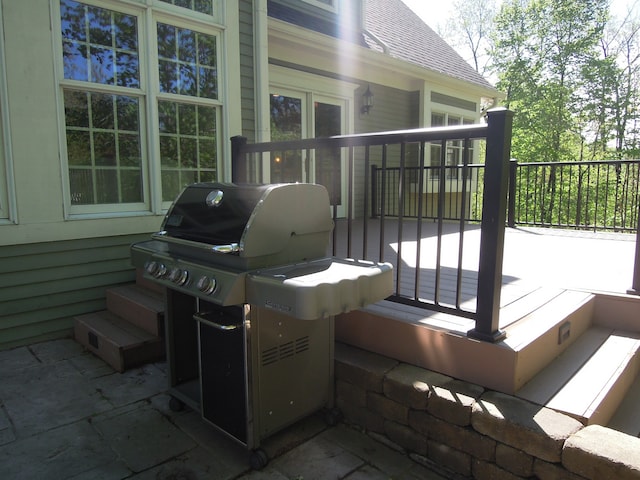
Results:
[393, 109]
[44, 285]
[247, 74]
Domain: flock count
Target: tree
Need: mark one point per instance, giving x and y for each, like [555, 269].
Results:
[541, 50]
[470, 31]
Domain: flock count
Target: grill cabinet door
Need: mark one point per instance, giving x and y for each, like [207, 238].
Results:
[222, 370]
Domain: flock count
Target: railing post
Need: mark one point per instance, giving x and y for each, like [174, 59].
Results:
[239, 173]
[635, 286]
[511, 211]
[494, 207]
[374, 191]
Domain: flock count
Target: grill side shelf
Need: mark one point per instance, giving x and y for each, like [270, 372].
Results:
[320, 289]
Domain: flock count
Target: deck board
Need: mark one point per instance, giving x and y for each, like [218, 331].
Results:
[536, 261]
[583, 393]
[550, 380]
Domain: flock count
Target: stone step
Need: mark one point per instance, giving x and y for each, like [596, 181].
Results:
[118, 342]
[590, 379]
[141, 307]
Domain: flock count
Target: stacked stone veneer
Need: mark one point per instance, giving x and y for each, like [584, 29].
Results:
[472, 431]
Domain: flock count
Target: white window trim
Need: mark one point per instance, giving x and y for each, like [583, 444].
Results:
[331, 8]
[8, 208]
[228, 93]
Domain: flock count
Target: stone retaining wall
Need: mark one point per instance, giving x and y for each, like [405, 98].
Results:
[475, 432]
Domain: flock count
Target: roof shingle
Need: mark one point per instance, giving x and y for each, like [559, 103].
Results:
[409, 38]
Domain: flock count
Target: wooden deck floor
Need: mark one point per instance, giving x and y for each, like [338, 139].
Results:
[539, 264]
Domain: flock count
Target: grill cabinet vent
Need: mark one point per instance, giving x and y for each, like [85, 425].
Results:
[285, 350]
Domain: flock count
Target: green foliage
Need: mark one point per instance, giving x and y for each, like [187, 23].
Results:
[541, 49]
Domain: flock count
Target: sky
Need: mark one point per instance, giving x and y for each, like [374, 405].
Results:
[435, 12]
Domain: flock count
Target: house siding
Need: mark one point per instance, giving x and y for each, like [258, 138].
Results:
[44, 285]
[393, 109]
[247, 71]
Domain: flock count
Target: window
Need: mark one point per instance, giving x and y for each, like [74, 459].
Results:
[454, 148]
[331, 5]
[114, 115]
[202, 6]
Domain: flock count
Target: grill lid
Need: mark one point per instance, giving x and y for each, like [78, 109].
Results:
[284, 222]
[212, 213]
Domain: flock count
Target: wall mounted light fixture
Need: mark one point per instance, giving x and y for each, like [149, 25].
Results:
[367, 101]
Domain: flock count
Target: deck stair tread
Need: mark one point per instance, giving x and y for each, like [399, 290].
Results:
[627, 417]
[590, 378]
[543, 311]
[138, 305]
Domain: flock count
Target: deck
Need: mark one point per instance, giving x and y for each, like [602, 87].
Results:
[538, 263]
[557, 285]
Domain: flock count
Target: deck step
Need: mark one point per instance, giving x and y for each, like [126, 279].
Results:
[148, 284]
[626, 418]
[142, 307]
[118, 342]
[590, 379]
[549, 321]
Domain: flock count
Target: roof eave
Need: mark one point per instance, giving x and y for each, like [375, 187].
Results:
[363, 62]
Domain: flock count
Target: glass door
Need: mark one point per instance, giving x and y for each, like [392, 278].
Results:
[288, 122]
[329, 162]
[297, 115]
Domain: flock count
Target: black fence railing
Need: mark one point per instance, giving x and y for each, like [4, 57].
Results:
[601, 195]
[597, 196]
[344, 165]
[454, 202]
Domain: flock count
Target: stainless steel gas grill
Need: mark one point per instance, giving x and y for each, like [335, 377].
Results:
[251, 296]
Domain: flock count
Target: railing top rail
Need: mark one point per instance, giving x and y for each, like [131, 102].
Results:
[586, 162]
[458, 132]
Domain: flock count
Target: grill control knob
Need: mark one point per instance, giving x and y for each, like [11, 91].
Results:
[151, 267]
[161, 271]
[178, 276]
[207, 285]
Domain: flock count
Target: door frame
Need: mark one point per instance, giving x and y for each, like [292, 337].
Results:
[312, 88]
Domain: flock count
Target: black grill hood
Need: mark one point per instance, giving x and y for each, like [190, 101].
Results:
[263, 224]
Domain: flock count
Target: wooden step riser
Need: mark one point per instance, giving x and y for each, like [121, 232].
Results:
[138, 306]
[572, 315]
[148, 284]
[597, 390]
[116, 341]
[591, 378]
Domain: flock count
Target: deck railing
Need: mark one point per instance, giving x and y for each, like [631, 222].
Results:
[596, 196]
[330, 160]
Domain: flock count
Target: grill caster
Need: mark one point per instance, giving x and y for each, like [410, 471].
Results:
[258, 459]
[176, 405]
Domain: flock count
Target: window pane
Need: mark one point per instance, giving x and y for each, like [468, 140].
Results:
[187, 62]
[76, 110]
[103, 147]
[99, 45]
[79, 148]
[188, 146]
[202, 6]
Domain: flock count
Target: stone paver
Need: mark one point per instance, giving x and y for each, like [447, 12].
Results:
[65, 414]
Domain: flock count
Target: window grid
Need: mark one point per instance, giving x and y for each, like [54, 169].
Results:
[201, 6]
[188, 145]
[454, 148]
[105, 148]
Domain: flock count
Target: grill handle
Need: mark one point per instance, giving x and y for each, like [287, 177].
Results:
[165, 237]
[225, 328]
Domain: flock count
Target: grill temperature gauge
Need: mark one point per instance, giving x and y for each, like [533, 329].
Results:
[207, 285]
